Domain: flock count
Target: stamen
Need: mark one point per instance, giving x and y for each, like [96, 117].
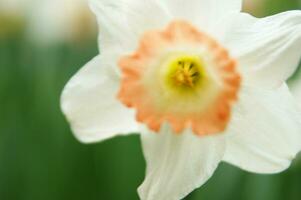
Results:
[182, 64]
[195, 74]
[186, 71]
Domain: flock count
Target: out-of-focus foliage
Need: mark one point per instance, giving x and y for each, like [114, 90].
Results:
[41, 160]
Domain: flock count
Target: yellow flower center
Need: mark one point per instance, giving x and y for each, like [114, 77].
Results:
[184, 72]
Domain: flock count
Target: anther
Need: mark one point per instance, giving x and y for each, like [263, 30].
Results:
[195, 74]
[182, 64]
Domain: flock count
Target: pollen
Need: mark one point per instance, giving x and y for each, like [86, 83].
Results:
[185, 71]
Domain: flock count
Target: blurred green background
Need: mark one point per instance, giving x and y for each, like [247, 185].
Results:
[41, 160]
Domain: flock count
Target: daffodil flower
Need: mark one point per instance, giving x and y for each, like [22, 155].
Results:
[199, 80]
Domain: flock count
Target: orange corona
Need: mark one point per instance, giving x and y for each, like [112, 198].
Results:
[180, 76]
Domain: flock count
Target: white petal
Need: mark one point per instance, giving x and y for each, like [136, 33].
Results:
[265, 132]
[204, 13]
[121, 22]
[114, 31]
[177, 164]
[145, 15]
[90, 105]
[268, 49]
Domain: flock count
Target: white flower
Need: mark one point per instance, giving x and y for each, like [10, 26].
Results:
[55, 21]
[48, 21]
[202, 83]
[14, 7]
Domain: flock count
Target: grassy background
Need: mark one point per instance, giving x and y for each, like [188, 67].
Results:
[41, 160]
